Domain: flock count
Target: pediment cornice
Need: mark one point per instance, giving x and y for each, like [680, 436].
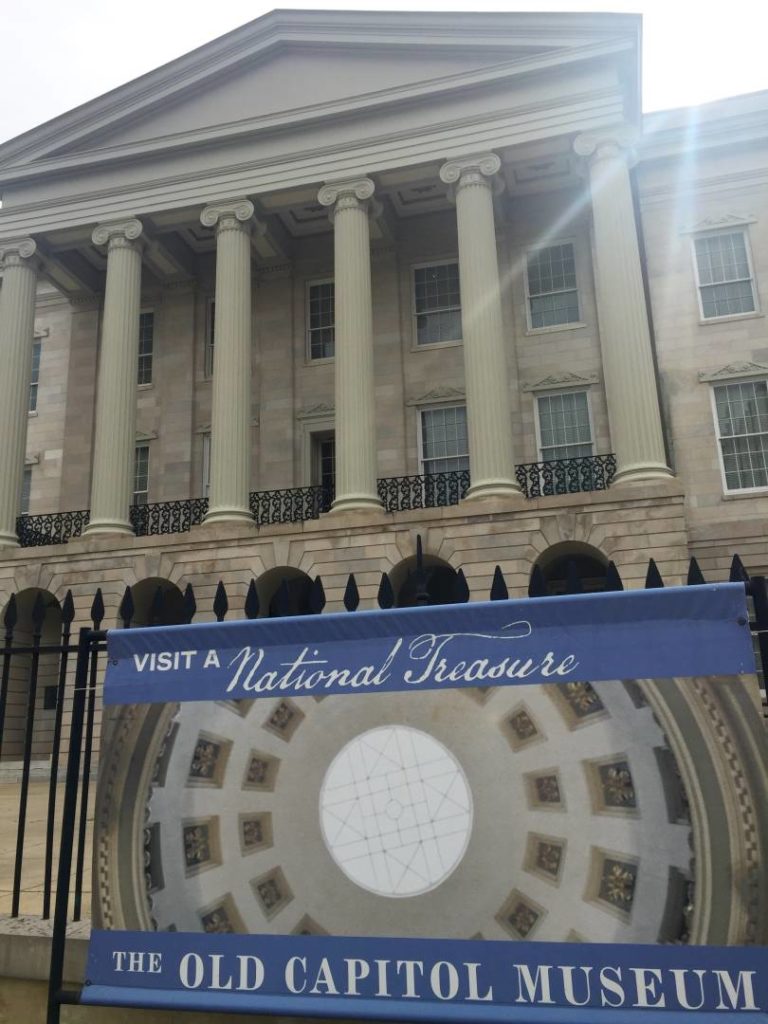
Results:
[536, 43]
[733, 371]
[563, 379]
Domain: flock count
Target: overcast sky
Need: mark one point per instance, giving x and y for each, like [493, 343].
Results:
[57, 54]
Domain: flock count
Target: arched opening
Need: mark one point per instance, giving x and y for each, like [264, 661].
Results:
[283, 590]
[433, 583]
[157, 602]
[572, 567]
[20, 679]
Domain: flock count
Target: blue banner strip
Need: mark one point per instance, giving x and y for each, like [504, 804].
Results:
[678, 631]
[426, 979]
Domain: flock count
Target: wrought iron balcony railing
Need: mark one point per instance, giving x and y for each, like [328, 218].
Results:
[402, 493]
[50, 528]
[291, 505]
[566, 476]
[167, 516]
[297, 504]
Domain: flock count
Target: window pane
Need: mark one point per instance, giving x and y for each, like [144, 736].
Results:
[437, 301]
[35, 378]
[564, 426]
[141, 474]
[26, 489]
[725, 282]
[727, 299]
[209, 336]
[552, 295]
[321, 320]
[742, 420]
[444, 439]
[206, 482]
[146, 345]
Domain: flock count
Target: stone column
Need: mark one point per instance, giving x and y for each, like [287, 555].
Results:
[355, 398]
[486, 370]
[114, 442]
[625, 340]
[231, 410]
[17, 331]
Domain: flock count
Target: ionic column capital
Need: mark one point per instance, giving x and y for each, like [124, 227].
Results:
[14, 250]
[477, 169]
[616, 143]
[348, 194]
[119, 234]
[231, 215]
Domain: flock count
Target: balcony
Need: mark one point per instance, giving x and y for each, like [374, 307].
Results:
[566, 476]
[298, 504]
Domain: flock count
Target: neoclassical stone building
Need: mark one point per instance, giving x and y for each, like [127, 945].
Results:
[454, 284]
[336, 280]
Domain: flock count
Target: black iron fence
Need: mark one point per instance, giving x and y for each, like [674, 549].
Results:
[45, 672]
[297, 504]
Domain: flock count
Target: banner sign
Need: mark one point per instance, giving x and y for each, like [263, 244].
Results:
[644, 633]
[547, 810]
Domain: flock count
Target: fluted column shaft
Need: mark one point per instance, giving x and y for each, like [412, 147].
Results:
[353, 353]
[114, 442]
[231, 408]
[17, 331]
[486, 372]
[625, 340]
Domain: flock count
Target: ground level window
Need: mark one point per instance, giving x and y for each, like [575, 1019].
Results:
[324, 461]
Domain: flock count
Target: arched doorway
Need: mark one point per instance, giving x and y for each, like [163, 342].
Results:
[157, 602]
[20, 678]
[434, 582]
[283, 590]
[572, 567]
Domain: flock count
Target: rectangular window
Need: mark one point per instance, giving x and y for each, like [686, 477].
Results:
[444, 444]
[553, 297]
[437, 303]
[141, 475]
[26, 490]
[742, 426]
[206, 481]
[324, 461]
[321, 317]
[209, 336]
[146, 346]
[565, 431]
[724, 274]
[35, 378]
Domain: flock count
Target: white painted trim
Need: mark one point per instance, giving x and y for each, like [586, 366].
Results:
[530, 329]
[552, 394]
[308, 283]
[744, 231]
[728, 491]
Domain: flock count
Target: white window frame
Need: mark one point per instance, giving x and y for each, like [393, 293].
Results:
[136, 447]
[309, 284]
[737, 229]
[205, 482]
[530, 250]
[209, 338]
[26, 491]
[149, 383]
[420, 431]
[427, 345]
[34, 380]
[727, 491]
[537, 418]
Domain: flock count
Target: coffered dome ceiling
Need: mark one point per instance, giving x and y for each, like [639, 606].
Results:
[540, 812]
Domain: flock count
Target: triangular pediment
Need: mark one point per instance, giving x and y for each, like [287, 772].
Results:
[294, 67]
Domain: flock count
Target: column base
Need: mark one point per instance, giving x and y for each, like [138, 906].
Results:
[9, 540]
[229, 514]
[108, 527]
[357, 503]
[493, 489]
[642, 472]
